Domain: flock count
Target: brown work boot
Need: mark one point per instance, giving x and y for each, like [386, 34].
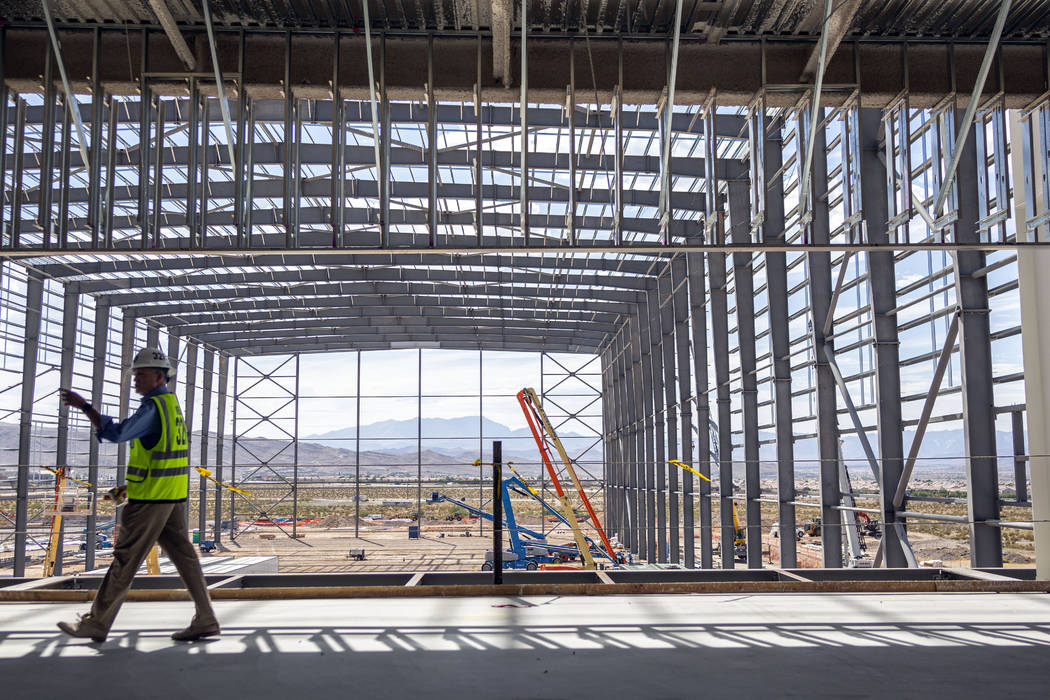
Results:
[85, 626]
[198, 629]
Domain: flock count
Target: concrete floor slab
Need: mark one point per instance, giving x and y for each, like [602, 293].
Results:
[849, 645]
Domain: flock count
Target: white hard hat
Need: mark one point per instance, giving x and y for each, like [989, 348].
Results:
[151, 358]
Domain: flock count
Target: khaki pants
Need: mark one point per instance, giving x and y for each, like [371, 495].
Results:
[142, 525]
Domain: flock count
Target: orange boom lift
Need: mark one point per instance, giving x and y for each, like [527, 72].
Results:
[545, 437]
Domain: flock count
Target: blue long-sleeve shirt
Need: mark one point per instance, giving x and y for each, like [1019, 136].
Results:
[144, 424]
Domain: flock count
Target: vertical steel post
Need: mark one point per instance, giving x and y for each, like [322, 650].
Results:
[30, 346]
[338, 152]
[385, 137]
[202, 485]
[191, 397]
[720, 344]
[98, 100]
[145, 102]
[667, 350]
[98, 376]
[636, 407]
[295, 456]
[1020, 461]
[111, 172]
[17, 193]
[419, 439]
[570, 214]
[780, 344]
[478, 176]
[497, 512]
[740, 218]
[158, 175]
[193, 163]
[523, 112]
[357, 451]
[659, 426]
[679, 279]
[70, 309]
[63, 176]
[220, 434]
[882, 281]
[975, 359]
[432, 150]
[288, 192]
[648, 404]
[173, 356]
[4, 93]
[127, 339]
[44, 217]
[698, 314]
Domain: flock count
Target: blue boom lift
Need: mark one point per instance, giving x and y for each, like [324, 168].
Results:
[526, 552]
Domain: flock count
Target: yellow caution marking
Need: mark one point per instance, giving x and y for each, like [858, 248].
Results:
[206, 473]
[685, 466]
[68, 478]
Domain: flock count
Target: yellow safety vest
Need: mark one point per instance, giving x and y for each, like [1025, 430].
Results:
[159, 474]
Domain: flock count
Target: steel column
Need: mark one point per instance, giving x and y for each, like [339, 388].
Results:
[679, 278]
[187, 412]
[975, 359]
[636, 407]
[70, 309]
[740, 219]
[220, 433]
[882, 281]
[1020, 461]
[698, 313]
[780, 345]
[667, 350]
[98, 376]
[127, 340]
[659, 483]
[648, 397]
[720, 343]
[30, 346]
[206, 394]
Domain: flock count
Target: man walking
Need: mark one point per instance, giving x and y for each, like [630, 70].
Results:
[156, 490]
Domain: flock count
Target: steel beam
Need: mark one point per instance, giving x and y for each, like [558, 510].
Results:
[636, 406]
[667, 351]
[882, 282]
[70, 310]
[679, 278]
[30, 347]
[720, 345]
[740, 218]
[975, 359]
[99, 336]
[127, 339]
[191, 353]
[202, 484]
[648, 410]
[698, 316]
[220, 433]
[659, 483]
[780, 345]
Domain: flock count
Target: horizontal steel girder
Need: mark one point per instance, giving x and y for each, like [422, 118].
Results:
[319, 154]
[186, 308]
[287, 316]
[125, 196]
[482, 338]
[462, 292]
[318, 346]
[736, 68]
[370, 274]
[390, 323]
[197, 264]
[320, 217]
[254, 335]
[358, 115]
